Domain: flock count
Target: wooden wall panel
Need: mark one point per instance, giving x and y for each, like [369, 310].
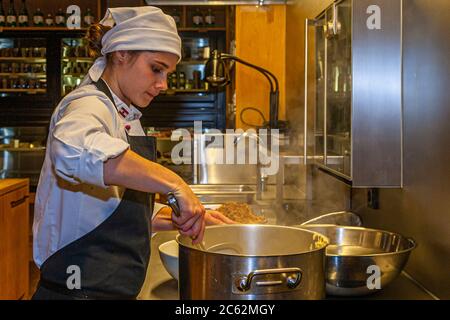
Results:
[260, 40]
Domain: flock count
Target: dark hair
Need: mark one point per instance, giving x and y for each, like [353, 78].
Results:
[94, 37]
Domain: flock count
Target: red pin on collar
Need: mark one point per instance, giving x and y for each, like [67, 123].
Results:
[127, 127]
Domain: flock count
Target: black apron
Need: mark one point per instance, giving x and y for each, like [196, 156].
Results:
[112, 258]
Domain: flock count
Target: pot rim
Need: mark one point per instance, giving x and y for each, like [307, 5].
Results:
[326, 241]
[411, 241]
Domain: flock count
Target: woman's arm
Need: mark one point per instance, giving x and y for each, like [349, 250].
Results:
[135, 172]
[82, 150]
[162, 220]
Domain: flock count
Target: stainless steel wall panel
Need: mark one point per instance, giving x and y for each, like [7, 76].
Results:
[422, 208]
[376, 104]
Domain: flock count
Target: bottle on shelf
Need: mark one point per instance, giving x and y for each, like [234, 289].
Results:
[188, 85]
[23, 83]
[197, 18]
[196, 75]
[2, 15]
[23, 15]
[1, 83]
[210, 18]
[11, 18]
[182, 81]
[60, 19]
[38, 18]
[88, 18]
[173, 81]
[49, 20]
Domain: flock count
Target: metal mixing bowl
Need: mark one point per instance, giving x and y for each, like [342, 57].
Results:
[355, 255]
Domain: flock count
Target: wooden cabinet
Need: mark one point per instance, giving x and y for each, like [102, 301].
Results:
[14, 236]
[260, 40]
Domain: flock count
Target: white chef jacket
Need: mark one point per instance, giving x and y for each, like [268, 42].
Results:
[72, 199]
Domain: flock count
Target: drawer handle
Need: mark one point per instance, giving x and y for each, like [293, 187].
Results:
[18, 202]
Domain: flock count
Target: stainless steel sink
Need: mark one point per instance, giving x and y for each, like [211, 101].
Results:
[221, 189]
[220, 193]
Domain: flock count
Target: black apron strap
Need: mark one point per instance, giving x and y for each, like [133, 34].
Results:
[103, 87]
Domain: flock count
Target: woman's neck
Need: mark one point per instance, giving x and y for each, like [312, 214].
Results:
[110, 78]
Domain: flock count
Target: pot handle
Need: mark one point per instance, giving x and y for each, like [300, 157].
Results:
[292, 281]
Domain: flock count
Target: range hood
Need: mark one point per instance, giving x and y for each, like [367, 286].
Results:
[214, 2]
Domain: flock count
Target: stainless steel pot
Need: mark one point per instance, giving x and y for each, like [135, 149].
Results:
[253, 262]
[355, 255]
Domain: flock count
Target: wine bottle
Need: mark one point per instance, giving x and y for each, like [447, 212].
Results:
[173, 81]
[38, 18]
[182, 81]
[60, 19]
[49, 20]
[23, 15]
[2, 15]
[88, 18]
[210, 18]
[197, 19]
[11, 18]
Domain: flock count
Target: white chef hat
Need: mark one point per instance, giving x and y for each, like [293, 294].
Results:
[135, 28]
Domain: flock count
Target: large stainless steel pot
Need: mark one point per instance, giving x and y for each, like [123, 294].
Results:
[356, 255]
[253, 262]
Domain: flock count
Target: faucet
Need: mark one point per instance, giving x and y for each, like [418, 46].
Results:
[261, 178]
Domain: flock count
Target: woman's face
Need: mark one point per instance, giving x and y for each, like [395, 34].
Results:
[145, 75]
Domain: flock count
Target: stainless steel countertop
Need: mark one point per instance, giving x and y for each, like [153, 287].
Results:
[159, 285]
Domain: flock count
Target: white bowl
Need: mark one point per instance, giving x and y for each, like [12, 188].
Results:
[168, 252]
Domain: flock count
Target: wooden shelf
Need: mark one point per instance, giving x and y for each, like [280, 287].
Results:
[26, 59]
[182, 29]
[36, 149]
[39, 29]
[25, 74]
[30, 91]
[85, 59]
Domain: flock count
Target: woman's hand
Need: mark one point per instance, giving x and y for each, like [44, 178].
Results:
[163, 220]
[132, 171]
[191, 221]
[213, 217]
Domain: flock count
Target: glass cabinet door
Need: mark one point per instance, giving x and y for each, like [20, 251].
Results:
[23, 67]
[75, 63]
[338, 88]
[320, 52]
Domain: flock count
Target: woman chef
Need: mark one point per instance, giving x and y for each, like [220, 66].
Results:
[93, 205]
